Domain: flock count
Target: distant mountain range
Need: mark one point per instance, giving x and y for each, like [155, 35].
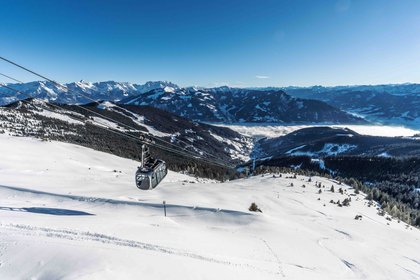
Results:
[79, 92]
[385, 104]
[233, 105]
[223, 104]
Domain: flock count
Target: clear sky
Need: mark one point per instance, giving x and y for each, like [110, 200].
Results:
[214, 42]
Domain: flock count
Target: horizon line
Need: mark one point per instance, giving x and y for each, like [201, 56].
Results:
[233, 86]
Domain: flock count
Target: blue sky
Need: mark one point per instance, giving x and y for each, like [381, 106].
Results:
[212, 43]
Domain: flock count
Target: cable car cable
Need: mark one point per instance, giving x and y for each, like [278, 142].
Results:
[10, 78]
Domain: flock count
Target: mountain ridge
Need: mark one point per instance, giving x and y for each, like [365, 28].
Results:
[391, 104]
[241, 105]
[222, 104]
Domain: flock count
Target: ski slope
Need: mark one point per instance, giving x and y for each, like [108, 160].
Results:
[68, 212]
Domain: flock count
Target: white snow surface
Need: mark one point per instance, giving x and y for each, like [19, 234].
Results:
[62, 117]
[329, 149]
[137, 119]
[106, 123]
[274, 130]
[140, 121]
[69, 212]
[239, 151]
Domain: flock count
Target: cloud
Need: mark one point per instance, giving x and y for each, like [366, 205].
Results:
[262, 77]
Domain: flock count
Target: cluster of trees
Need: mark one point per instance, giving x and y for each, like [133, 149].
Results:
[393, 202]
[293, 162]
[262, 169]
[393, 183]
[397, 178]
[399, 170]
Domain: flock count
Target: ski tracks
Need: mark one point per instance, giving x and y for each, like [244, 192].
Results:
[353, 268]
[74, 235]
[278, 261]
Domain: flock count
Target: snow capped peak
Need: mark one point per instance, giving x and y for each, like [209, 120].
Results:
[85, 84]
[169, 89]
[151, 85]
[50, 92]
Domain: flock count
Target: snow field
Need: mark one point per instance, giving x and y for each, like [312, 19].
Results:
[68, 212]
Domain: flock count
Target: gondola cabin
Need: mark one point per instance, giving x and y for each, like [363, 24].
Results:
[151, 172]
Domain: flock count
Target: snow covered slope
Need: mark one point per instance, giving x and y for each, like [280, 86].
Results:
[68, 212]
[87, 125]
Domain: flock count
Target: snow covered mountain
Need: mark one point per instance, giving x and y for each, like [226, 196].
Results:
[387, 104]
[82, 125]
[320, 142]
[395, 89]
[70, 212]
[79, 92]
[223, 104]
[234, 105]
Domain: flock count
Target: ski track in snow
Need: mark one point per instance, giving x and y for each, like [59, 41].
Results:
[350, 265]
[344, 233]
[276, 257]
[413, 260]
[412, 273]
[355, 270]
[74, 235]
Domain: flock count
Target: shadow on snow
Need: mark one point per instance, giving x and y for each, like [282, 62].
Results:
[130, 203]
